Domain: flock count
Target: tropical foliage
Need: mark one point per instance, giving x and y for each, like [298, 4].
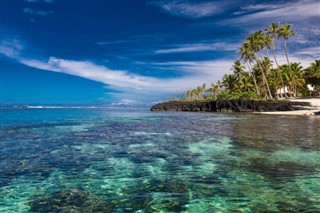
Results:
[255, 76]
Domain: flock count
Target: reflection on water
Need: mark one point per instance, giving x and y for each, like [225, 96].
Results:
[133, 160]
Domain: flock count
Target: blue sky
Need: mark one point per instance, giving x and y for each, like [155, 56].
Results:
[125, 51]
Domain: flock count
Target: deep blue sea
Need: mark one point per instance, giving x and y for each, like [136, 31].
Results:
[133, 160]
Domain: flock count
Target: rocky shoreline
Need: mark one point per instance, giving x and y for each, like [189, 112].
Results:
[231, 106]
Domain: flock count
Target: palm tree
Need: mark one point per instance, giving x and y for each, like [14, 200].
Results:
[238, 69]
[266, 65]
[273, 31]
[312, 75]
[275, 82]
[193, 94]
[198, 92]
[247, 55]
[213, 90]
[256, 43]
[188, 94]
[299, 81]
[245, 83]
[285, 33]
[265, 68]
[230, 82]
[267, 41]
[293, 77]
[203, 90]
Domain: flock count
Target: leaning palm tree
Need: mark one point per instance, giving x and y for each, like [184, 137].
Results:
[267, 42]
[246, 54]
[273, 31]
[285, 33]
[256, 43]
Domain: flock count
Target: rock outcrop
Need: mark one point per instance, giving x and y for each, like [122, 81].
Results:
[230, 106]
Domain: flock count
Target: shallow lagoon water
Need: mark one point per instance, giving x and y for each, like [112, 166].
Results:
[134, 160]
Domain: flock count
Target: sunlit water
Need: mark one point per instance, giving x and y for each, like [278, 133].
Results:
[134, 160]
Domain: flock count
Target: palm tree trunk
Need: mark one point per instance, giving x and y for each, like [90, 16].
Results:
[254, 80]
[286, 52]
[280, 72]
[274, 56]
[265, 80]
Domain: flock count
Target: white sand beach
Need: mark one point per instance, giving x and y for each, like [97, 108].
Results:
[312, 110]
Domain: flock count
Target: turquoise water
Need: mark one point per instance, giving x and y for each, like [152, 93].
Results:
[134, 160]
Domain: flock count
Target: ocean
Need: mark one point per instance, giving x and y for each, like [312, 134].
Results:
[134, 160]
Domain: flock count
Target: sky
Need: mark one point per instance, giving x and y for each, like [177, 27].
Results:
[95, 52]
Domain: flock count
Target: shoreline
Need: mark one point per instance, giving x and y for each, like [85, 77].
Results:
[299, 106]
[313, 110]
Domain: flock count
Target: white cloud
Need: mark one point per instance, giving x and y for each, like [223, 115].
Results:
[192, 9]
[37, 12]
[221, 46]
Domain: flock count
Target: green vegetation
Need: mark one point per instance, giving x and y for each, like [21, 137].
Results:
[259, 79]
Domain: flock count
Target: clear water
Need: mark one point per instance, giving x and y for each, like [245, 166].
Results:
[134, 160]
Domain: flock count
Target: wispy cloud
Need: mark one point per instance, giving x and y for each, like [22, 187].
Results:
[37, 12]
[255, 8]
[11, 48]
[102, 43]
[218, 46]
[40, 1]
[289, 11]
[190, 9]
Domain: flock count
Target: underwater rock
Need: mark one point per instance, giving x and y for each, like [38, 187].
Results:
[71, 200]
[281, 170]
[155, 195]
